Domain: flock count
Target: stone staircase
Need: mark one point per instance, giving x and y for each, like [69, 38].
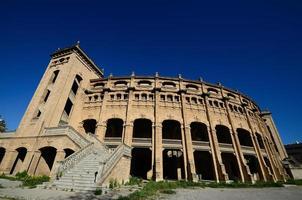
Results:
[82, 176]
[86, 169]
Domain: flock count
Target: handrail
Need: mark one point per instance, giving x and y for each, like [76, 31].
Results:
[70, 132]
[110, 162]
[73, 159]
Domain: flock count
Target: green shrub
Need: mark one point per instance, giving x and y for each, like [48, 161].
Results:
[98, 192]
[21, 175]
[294, 182]
[113, 183]
[134, 181]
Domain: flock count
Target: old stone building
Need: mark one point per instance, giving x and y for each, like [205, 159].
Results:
[147, 126]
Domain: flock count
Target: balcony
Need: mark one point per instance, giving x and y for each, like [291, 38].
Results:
[224, 147]
[142, 142]
[167, 143]
[201, 145]
[112, 141]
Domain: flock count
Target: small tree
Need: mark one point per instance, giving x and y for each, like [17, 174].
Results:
[2, 125]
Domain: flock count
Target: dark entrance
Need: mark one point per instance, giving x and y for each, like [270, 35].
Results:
[204, 165]
[140, 162]
[231, 166]
[173, 164]
[22, 151]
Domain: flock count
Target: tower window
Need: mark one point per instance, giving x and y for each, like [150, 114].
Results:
[38, 114]
[68, 106]
[75, 87]
[55, 76]
[46, 96]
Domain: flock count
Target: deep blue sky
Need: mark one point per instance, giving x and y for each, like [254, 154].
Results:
[252, 46]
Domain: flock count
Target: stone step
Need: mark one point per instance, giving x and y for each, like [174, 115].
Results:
[74, 181]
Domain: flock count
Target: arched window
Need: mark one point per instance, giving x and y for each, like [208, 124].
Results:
[199, 131]
[2, 154]
[223, 134]
[89, 125]
[142, 128]
[114, 128]
[144, 83]
[171, 130]
[169, 84]
[260, 141]
[192, 87]
[244, 137]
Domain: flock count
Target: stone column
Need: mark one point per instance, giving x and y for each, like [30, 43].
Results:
[243, 168]
[34, 162]
[219, 166]
[183, 142]
[59, 157]
[158, 153]
[190, 156]
[8, 161]
[216, 155]
[127, 138]
[101, 131]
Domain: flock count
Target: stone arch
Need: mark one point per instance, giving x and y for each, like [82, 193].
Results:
[199, 131]
[68, 152]
[89, 125]
[244, 137]
[171, 129]
[46, 160]
[223, 134]
[17, 165]
[142, 128]
[2, 154]
[114, 128]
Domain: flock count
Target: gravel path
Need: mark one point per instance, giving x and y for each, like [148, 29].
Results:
[285, 193]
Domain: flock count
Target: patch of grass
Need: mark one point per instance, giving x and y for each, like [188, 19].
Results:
[134, 181]
[294, 182]
[27, 180]
[98, 192]
[152, 188]
[113, 183]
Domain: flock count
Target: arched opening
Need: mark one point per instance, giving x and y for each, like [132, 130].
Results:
[173, 164]
[46, 160]
[223, 134]
[254, 167]
[244, 137]
[142, 128]
[140, 162]
[2, 154]
[268, 164]
[68, 152]
[22, 151]
[260, 141]
[171, 130]
[199, 132]
[89, 125]
[204, 165]
[114, 128]
[231, 166]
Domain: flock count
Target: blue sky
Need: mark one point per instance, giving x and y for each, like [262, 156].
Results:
[252, 46]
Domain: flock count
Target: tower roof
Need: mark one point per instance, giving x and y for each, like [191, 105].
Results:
[76, 48]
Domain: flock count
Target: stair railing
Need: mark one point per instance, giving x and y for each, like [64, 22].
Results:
[73, 159]
[109, 163]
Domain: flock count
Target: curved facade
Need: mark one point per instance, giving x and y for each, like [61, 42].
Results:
[177, 128]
